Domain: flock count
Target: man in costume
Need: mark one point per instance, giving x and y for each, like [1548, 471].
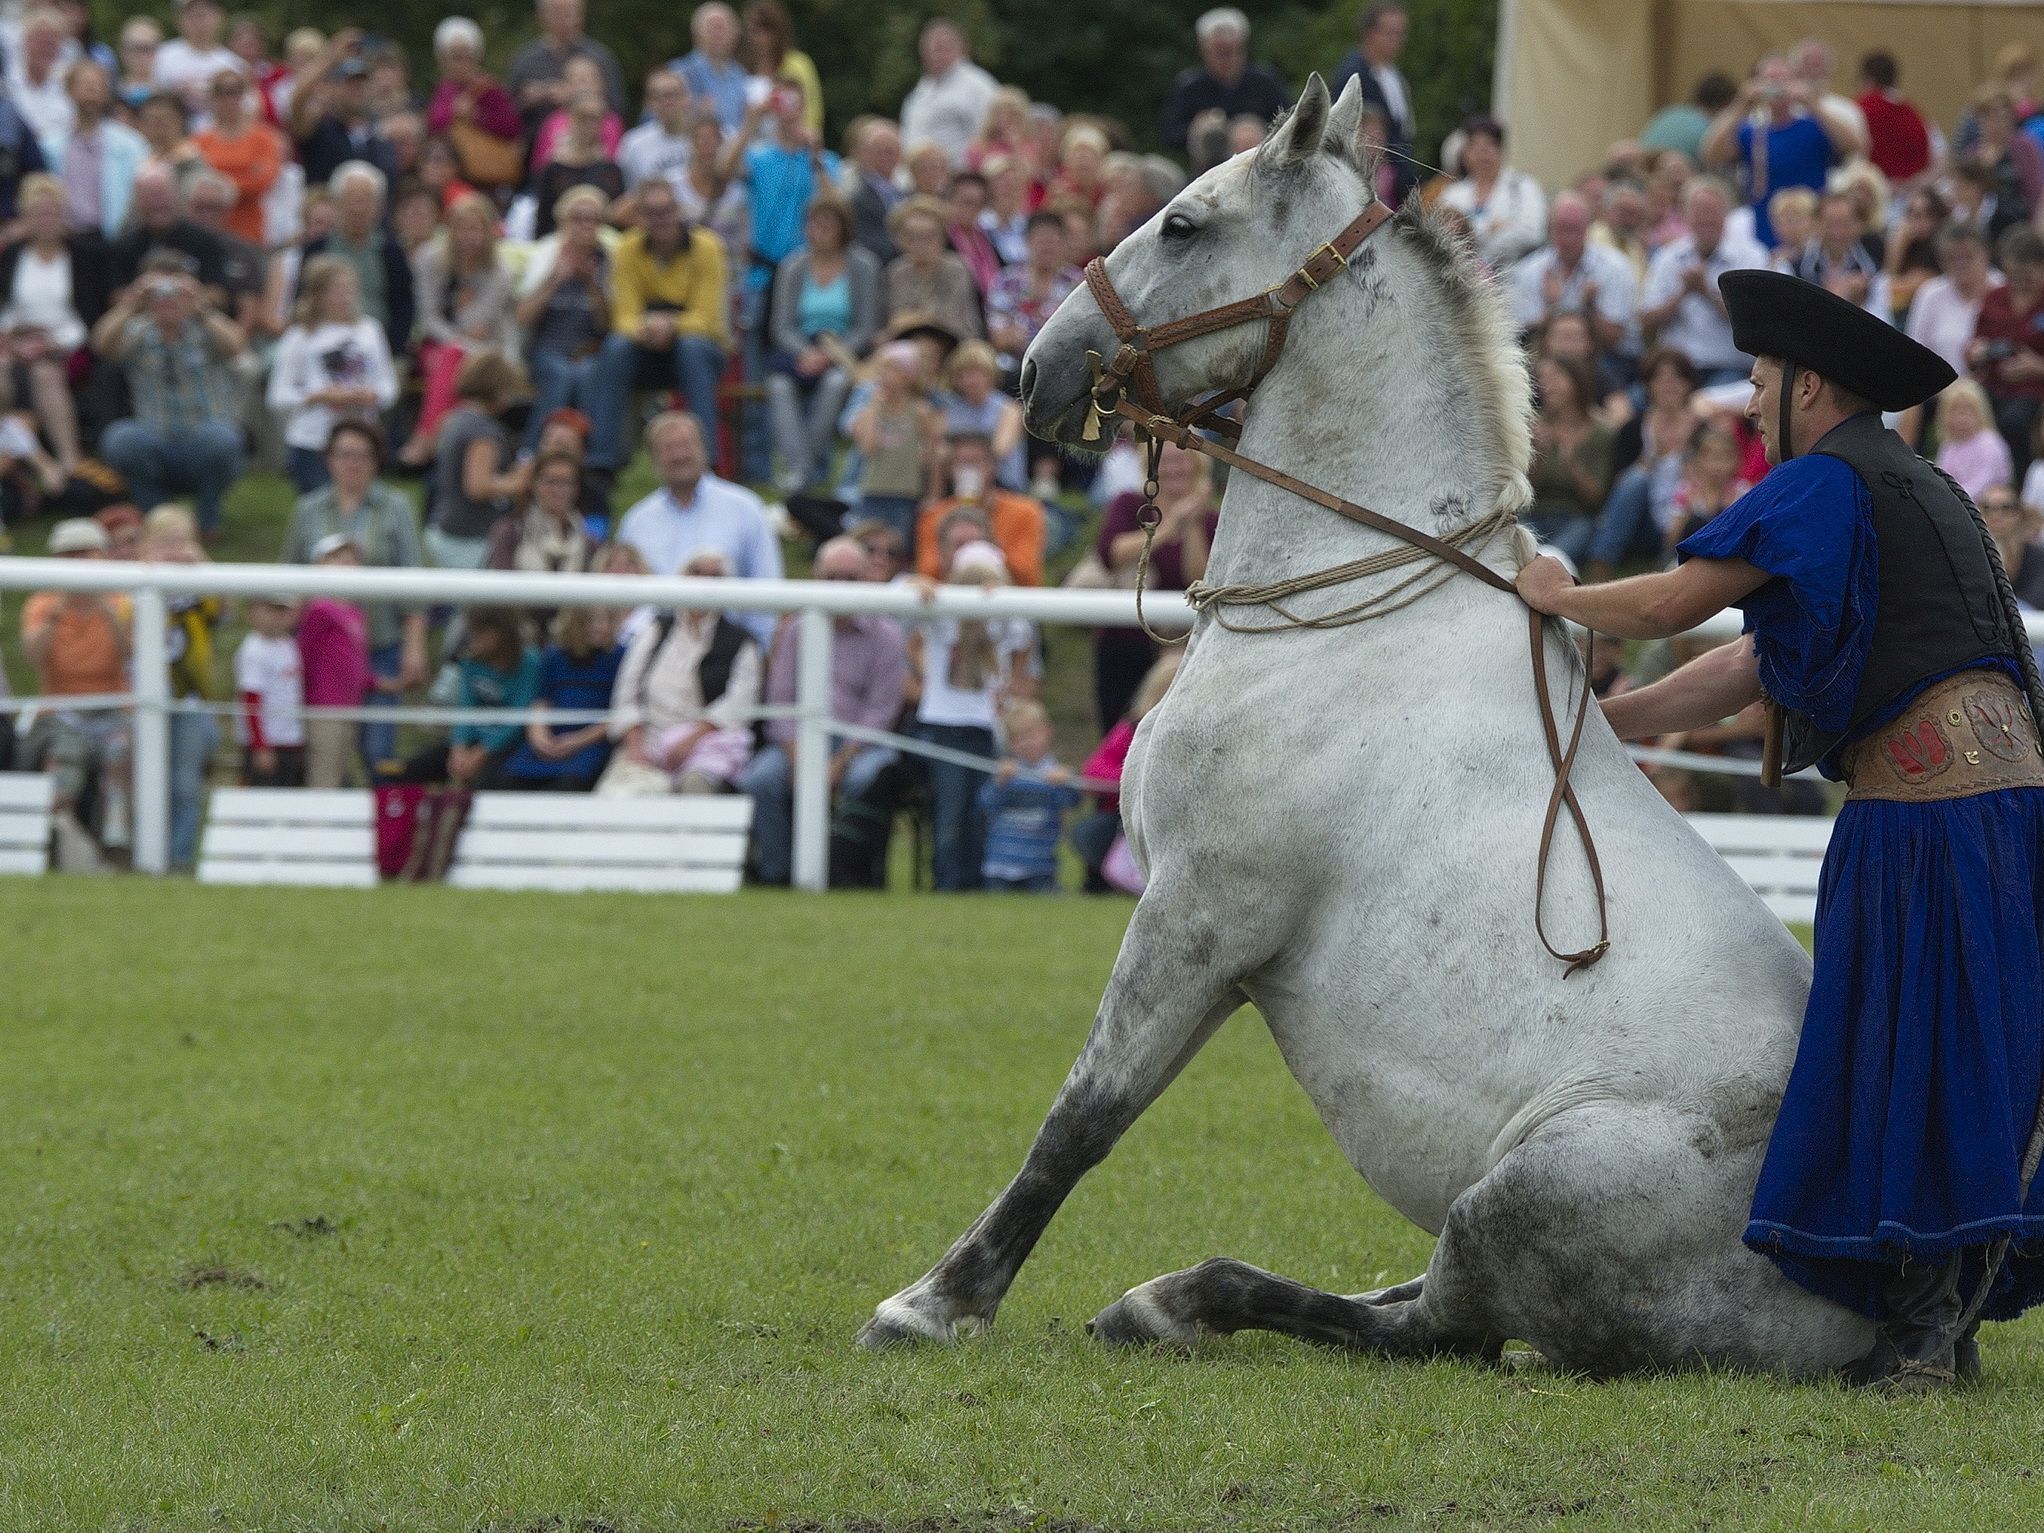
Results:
[1883, 636]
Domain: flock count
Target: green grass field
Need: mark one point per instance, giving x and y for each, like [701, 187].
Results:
[420, 1210]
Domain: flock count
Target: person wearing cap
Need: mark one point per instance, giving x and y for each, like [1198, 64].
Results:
[1884, 638]
[78, 644]
[330, 117]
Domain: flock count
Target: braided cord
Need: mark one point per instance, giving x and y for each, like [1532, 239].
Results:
[2026, 659]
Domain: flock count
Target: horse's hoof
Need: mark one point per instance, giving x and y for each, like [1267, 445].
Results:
[1135, 1320]
[896, 1324]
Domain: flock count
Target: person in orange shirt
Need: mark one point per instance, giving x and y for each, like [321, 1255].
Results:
[1015, 520]
[244, 149]
[78, 642]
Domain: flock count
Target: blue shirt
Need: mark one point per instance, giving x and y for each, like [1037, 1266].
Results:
[484, 686]
[1810, 524]
[571, 683]
[722, 516]
[1025, 816]
[1799, 153]
[781, 183]
[722, 85]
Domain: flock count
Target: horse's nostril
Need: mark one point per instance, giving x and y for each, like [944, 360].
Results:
[1028, 379]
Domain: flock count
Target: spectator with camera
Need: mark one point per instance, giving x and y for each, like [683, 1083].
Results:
[178, 357]
[2007, 354]
[1779, 132]
[537, 78]
[330, 118]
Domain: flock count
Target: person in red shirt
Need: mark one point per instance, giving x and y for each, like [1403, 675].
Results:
[2007, 353]
[1898, 139]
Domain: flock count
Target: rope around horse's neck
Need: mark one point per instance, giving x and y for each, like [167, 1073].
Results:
[1273, 594]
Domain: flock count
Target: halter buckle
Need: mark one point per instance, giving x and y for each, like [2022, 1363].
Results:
[1306, 271]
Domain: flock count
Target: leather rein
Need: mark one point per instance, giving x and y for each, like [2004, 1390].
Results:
[1131, 368]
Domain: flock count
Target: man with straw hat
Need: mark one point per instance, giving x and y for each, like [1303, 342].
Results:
[1882, 633]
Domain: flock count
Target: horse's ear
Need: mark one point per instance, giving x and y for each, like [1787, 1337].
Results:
[1299, 136]
[1343, 139]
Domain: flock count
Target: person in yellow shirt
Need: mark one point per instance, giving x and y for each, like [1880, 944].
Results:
[669, 322]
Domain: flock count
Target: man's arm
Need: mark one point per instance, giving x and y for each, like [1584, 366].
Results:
[1657, 606]
[1711, 687]
[1838, 126]
[1720, 144]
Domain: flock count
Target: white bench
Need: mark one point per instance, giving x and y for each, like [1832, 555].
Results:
[25, 802]
[1779, 855]
[313, 836]
[687, 844]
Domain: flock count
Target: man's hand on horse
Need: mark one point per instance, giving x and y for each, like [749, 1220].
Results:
[1541, 581]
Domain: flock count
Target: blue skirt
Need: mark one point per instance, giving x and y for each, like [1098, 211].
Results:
[1916, 1083]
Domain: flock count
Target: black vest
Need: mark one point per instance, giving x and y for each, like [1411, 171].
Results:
[1938, 607]
[713, 671]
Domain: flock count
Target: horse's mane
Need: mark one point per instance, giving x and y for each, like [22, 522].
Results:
[1475, 310]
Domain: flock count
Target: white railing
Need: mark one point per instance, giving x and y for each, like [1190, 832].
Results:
[815, 602]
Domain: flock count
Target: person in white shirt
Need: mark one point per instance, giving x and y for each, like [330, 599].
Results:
[1569, 274]
[1814, 64]
[694, 510]
[1681, 306]
[1946, 308]
[950, 101]
[35, 82]
[333, 364]
[660, 145]
[188, 62]
[269, 683]
[1506, 209]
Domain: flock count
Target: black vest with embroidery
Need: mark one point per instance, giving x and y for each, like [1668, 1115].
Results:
[1938, 608]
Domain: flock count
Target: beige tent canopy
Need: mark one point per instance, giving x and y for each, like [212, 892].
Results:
[1575, 76]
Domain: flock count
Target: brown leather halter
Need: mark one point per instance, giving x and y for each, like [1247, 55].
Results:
[1131, 367]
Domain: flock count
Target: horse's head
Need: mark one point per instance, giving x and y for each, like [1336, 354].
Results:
[1242, 228]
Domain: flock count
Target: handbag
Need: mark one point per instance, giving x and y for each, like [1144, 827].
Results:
[486, 160]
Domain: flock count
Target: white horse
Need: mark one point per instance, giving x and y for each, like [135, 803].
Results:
[1339, 827]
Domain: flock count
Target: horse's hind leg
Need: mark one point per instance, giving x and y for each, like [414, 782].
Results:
[1173, 985]
[1223, 1296]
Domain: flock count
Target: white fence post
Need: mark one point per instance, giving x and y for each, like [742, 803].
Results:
[151, 790]
[812, 750]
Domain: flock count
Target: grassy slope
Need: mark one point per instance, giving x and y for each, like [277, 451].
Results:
[612, 1181]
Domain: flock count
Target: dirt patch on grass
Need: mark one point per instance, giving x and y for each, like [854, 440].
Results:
[318, 1227]
[220, 1277]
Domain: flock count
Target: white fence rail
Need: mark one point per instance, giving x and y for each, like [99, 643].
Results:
[815, 602]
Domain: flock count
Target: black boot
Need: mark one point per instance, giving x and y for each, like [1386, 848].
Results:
[1915, 1351]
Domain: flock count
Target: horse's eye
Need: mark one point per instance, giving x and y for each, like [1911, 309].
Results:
[1179, 227]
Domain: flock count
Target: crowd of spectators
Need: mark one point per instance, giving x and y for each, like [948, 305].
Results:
[452, 310]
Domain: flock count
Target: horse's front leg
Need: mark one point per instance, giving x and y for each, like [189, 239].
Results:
[1169, 991]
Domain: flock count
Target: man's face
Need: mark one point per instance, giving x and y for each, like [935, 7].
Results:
[1570, 228]
[678, 455]
[941, 49]
[1047, 246]
[91, 91]
[667, 100]
[880, 150]
[972, 469]
[357, 205]
[39, 47]
[1837, 224]
[1387, 38]
[1764, 408]
[229, 96]
[716, 31]
[156, 200]
[1224, 52]
[660, 213]
[842, 561]
[170, 302]
[560, 18]
[199, 24]
[1707, 215]
[1627, 210]
[207, 207]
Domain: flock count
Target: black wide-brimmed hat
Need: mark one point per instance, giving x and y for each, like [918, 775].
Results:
[1776, 315]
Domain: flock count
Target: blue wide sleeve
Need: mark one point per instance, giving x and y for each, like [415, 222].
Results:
[1810, 524]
